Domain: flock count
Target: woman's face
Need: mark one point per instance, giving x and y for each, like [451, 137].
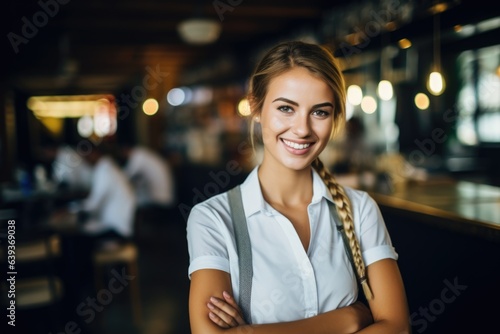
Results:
[296, 118]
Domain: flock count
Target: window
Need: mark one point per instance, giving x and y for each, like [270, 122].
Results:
[478, 99]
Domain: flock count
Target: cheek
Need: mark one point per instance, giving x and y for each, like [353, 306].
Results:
[273, 125]
[323, 130]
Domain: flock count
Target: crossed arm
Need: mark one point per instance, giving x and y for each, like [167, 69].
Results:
[212, 312]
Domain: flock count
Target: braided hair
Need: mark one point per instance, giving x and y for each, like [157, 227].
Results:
[344, 210]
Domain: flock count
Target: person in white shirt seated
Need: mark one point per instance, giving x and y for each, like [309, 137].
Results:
[150, 175]
[105, 221]
[111, 204]
[68, 167]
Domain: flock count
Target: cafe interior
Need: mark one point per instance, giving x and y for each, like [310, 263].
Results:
[169, 79]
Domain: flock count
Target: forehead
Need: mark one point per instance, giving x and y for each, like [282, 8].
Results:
[299, 83]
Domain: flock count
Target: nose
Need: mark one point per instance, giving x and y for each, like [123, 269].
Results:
[301, 126]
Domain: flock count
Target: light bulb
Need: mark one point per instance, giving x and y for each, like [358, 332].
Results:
[244, 108]
[422, 101]
[354, 95]
[176, 97]
[150, 106]
[369, 104]
[384, 90]
[436, 83]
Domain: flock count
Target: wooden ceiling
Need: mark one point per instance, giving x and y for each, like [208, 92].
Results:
[96, 46]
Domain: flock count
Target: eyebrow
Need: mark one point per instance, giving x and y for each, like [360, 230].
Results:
[319, 105]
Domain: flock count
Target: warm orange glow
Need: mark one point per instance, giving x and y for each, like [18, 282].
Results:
[422, 101]
[439, 8]
[71, 106]
[391, 26]
[150, 107]
[244, 108]
[404, 43]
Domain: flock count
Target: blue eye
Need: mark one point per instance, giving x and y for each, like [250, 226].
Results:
[285, 109]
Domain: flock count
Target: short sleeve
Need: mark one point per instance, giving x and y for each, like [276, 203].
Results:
[206, 243]
[375, 241]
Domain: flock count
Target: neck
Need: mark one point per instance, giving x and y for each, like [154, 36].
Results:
[284, 186]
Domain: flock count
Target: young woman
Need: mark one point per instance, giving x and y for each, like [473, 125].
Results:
[303, 280]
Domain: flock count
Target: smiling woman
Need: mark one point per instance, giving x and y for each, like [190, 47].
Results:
[310, 240]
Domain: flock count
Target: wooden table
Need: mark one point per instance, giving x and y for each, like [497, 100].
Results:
[33, 208]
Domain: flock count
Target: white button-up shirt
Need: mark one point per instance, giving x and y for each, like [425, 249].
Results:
[151, 177]
[111, 200]
[288, 282]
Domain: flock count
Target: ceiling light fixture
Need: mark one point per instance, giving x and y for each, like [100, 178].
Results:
[436, 83]
[199, 31]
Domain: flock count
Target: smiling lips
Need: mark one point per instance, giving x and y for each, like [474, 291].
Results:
[296, 148]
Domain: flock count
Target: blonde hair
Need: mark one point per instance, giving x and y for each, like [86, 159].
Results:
[321, 63]
[344, 210]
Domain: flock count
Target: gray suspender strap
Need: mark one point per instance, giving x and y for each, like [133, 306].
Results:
[244, 250]
[340, 227]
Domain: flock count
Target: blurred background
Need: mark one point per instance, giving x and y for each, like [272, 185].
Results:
[166, 80]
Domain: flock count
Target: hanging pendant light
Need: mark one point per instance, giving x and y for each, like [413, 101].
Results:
[436, 83]
[384, 88]
[199, 29]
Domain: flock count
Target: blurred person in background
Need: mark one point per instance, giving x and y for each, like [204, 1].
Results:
[355, 159]
[109, 209]
[69, 169]
[150, 175]
[105, 219]
[305, 274]
[356, 156]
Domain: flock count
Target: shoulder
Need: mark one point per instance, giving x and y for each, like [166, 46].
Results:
[361, 201]
[136, 153]
[214, 208]
[210, 220]
[107, 163]
[110, 169]
[144, 152]
[357, 196]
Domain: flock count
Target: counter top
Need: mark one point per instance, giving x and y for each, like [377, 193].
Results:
[459, 205]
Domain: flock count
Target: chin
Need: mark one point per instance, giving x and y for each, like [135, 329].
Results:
[297, 164]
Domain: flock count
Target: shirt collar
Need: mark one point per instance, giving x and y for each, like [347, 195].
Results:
[251, 194]
[253, 200]
[320, 189]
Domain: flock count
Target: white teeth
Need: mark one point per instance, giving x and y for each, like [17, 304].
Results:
[295, 145]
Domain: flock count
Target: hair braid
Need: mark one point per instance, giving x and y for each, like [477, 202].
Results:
[343, 206]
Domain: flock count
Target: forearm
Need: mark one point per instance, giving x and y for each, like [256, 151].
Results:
[339, 321]
[386, 327]
[321, 324]
[94, 199]
[212, 313]
[389, 306]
